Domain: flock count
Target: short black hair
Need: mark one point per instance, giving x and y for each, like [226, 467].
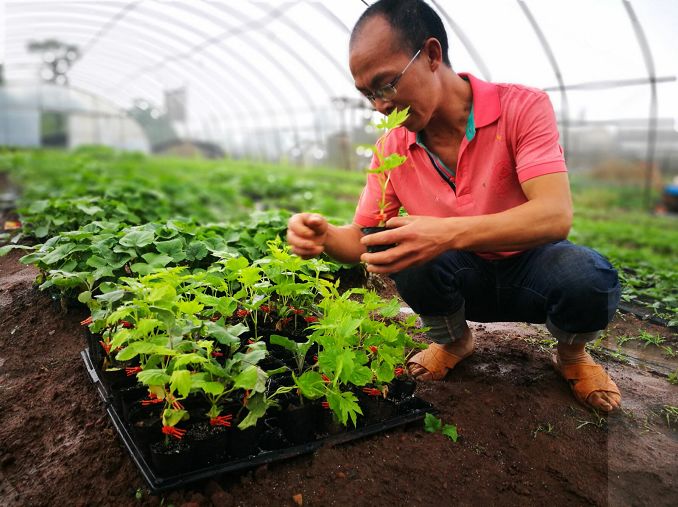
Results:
[414, 20]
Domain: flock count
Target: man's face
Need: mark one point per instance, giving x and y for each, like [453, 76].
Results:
[375, 60]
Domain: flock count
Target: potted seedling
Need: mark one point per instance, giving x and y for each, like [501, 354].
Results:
[386, 164]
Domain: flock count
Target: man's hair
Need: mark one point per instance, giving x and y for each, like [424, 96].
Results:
[413, 20]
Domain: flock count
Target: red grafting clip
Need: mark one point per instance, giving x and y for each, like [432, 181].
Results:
[325, 378]
[216, 353]
[325, 404]
[371, 391]
[242, 313]
[399, 371]
[87, 321]
[311, 318]
[222, 420]
[373, 349]
[151, 401]
[126, 324]
[132, 371]
[105, 346]
[265, 308]
[174, 432]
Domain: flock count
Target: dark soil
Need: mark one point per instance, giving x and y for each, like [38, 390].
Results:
[523, 439]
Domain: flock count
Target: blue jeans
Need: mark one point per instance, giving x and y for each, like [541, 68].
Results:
[573, 289]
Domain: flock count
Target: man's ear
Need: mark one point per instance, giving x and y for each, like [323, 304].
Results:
[434, 52]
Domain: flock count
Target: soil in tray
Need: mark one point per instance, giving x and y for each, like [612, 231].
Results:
[498, 398]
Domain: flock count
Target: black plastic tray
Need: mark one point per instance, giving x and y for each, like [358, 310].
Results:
[159, 483]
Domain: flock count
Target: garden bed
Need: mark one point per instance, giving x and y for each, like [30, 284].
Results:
[523, 440]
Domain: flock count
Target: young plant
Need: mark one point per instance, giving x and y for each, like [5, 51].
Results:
[386, 162]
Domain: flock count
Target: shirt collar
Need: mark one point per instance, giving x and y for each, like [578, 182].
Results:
[486, 105]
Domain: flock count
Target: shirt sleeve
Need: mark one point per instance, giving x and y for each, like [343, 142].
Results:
[537, 151]
[367, 210]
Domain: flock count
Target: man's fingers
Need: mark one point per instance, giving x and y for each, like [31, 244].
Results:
[301, 243]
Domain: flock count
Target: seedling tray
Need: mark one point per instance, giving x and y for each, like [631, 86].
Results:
[416, 410]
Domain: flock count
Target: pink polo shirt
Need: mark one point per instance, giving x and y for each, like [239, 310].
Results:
[516, 139]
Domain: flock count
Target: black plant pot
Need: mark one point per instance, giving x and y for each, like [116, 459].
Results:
[208, 443]
[299, 422]
[145, 424]
[375, 409]
[243, 443]
[171, 456]
[400, 389]
[272, 437]
[376, 248]
[125, 399]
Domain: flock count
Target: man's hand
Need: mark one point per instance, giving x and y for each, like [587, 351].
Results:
[307, 234]
[419, 239]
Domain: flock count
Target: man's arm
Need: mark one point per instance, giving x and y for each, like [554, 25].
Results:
[546, 216]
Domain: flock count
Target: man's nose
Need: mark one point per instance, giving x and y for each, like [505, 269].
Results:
[384, 106]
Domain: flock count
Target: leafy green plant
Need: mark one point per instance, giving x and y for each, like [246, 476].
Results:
[432, 424]
[386, 162]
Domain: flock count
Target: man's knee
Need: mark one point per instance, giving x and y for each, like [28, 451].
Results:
[586, 289]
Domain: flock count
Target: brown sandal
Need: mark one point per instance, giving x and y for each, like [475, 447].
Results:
[436, 360]
[585, 379]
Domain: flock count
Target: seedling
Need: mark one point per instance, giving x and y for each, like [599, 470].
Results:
[546, 428]
[432, 424]
[670, 414]
[386, 163]
[599, 421]
[651, 339]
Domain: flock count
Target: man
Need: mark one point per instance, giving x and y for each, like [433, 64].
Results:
[486, 189]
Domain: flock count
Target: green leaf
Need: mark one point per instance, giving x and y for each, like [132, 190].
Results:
[213, 388]
[390, 309]
[156, 260]
[85, 297]
[345, 406]
[153, 377]
[89, 210]
[284, 342]
[310, 384]
[361, 376]
[450, 431]
[246, 379]
[191, 358]
[257, 405]
[190, 307]
[432, 424]
[196, 250]
[171, 417]
[137, 238]
[180, 381]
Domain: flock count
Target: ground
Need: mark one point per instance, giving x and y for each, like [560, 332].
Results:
[523, 438]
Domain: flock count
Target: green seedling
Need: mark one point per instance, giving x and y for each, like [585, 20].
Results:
[670, 414]
[546, 428]
[386, 163]
[432, 424]
[650, 339]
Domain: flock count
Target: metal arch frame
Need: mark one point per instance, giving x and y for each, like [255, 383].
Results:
[223, 74]
[189, 28]
[565, 108]
[311, 40]
[466, 41]
[107, 26]
[145, 37]
[652, 115]
[297, 84]
[92, 77]
[260, 77]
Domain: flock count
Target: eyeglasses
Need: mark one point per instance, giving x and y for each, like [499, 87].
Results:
[388, 91]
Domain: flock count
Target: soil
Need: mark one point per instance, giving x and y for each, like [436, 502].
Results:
[523, 438]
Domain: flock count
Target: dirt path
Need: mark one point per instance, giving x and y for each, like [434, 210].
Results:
[523, 438]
